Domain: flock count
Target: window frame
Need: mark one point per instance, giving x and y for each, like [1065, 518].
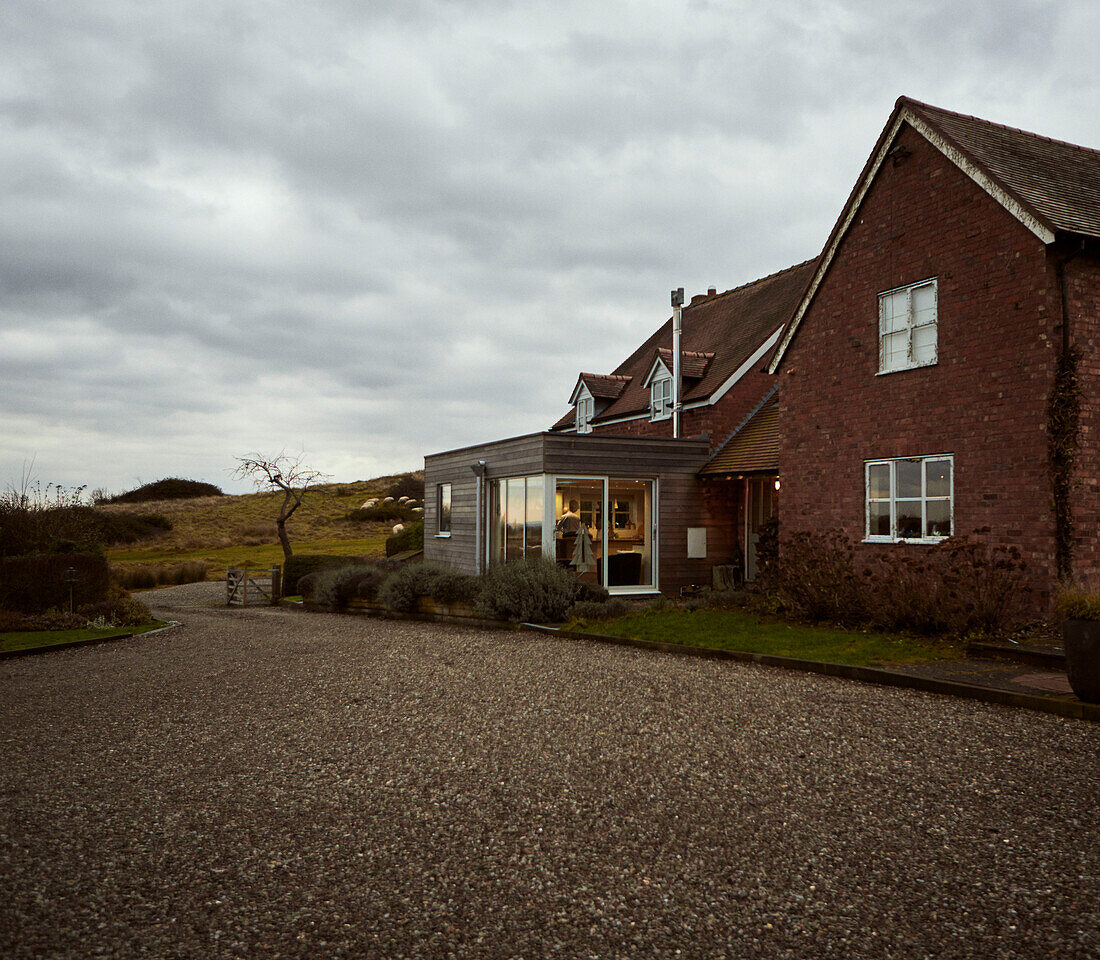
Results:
[660, 407]
[442, 531]
[910, 363]
[893, 499]
[584, 412]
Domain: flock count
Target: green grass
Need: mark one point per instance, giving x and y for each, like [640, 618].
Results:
[260, 555]
[240, 530]
[27, 640]
[735, 630]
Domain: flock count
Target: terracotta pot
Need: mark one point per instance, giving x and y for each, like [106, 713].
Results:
[1082, 643]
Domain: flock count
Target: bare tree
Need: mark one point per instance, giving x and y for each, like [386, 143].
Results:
[281, 472]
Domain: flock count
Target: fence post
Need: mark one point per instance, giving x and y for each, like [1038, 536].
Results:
[276, 584]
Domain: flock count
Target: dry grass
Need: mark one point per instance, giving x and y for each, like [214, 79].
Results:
[240, 530]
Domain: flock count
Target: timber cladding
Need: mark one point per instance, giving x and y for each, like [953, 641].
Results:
[672, 463]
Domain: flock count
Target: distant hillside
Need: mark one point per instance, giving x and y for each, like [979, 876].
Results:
[226, 529]
[170, 488]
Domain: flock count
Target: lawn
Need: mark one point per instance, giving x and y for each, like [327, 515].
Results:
[737, 630]
[25, 640]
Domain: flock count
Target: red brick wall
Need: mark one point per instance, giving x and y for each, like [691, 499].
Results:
[1083, 275]
[985, 401]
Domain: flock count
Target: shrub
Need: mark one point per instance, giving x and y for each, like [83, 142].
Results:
[170, 488]
[382, 512]
[404, 587]
[411, 538]
[957, 587]
[147, 577]
[335, 586]
[599, 610]
[127, 527]
[533, 589]
[815, 579]
[1076, 603]
[301, 564]
[33, 584]
[407, 485]
[450, 586]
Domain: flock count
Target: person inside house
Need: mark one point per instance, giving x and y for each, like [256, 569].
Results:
[570, 521]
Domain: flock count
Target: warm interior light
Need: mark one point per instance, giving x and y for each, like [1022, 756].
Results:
[777, 484]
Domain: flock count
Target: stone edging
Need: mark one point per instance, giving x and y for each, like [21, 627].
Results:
[1075, 709]
[69, 645]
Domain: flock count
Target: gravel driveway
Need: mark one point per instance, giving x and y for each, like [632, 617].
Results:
[267, 783]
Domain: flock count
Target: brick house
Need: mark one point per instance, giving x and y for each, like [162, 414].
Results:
[906, 385]
[919, 372]
[665, 483]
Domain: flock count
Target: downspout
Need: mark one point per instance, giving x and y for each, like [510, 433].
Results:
[479, 478]
[677, 310]
[1063, 422]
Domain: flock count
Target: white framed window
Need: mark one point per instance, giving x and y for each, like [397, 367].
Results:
[443, 509]
[584, 414]
[660, 399]
[907, 330]
[910, 499]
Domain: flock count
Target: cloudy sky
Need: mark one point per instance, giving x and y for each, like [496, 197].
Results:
[375, 229]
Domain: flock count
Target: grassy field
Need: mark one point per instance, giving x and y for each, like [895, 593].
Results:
[46, 638]
[240, 530]
[736, 630]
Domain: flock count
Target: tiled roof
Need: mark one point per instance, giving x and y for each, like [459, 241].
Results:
[692, 363]
[732, 326]
[753, 447]
[1059, 182]
[604, 386]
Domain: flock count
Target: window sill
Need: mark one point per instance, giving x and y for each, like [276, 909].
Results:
[914, 366]
[443, 536]
[919, 541]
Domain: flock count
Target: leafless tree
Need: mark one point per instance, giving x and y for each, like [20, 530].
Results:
[288, 474]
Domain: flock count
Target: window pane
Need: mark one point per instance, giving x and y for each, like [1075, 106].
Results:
[578, 506]
[909, 472]
[938, 518]
[924, 304]
[894, 311]
[895, 350]
[909, 518]
[937, 478]
[515, 519]
[629, 555]
[496, 522]
[924, 343]
[444, 508]
[534, 516]
[878, 481]
[878, 520]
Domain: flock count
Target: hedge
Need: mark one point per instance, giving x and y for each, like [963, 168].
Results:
[37, 583]
[299, 565]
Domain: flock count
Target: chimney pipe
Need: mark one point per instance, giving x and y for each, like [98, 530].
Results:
[711, 291]
[677, 309]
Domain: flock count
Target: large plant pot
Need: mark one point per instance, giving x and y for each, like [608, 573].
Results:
[1082, 643]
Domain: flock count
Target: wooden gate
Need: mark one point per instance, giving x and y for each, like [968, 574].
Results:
[244, 587]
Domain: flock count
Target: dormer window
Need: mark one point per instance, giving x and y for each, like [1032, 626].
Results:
[584, 414]
[660, 398]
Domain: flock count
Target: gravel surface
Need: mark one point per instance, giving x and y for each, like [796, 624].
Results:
[269, 783]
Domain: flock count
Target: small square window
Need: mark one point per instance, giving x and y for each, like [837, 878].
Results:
[907, 327]
[910, 499]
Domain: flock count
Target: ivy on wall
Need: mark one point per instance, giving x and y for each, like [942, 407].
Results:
[1063, 419]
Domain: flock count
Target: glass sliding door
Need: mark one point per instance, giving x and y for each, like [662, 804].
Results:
[630, 533]
[578, 526]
